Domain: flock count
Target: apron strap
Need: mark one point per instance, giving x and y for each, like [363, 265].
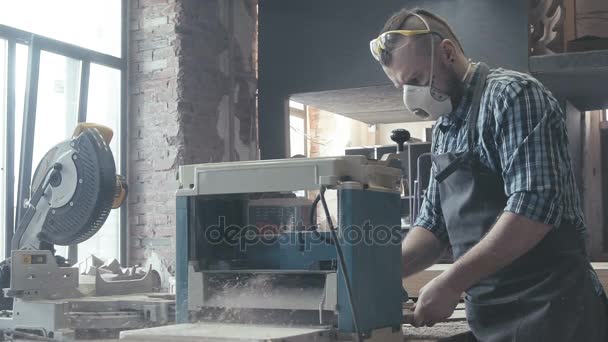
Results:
[475, 104]
[455, 164]
[472, 115]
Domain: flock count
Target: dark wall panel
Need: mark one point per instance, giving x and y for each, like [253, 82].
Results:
[315, 45]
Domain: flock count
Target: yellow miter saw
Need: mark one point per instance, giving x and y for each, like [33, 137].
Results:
[74, 188]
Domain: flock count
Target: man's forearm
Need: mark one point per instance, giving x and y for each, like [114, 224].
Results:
[420, 250]
[511, 237]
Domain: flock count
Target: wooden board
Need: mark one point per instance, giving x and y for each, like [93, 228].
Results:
[441, 332]
[414, 283]
[458, 315]
[602, 272]
[225, 332]
[592, 184]
[417, 281]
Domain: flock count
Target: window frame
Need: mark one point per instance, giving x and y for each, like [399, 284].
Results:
[37, 44]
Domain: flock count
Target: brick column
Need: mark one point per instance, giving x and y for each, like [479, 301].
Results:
[192, 85]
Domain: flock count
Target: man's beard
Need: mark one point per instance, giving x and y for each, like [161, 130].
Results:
[455, 87]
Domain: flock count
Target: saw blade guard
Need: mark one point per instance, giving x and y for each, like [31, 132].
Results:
[72, 192]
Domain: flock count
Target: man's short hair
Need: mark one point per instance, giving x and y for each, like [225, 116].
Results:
[405, 19]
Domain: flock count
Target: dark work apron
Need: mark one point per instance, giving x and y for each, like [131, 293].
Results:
[549, 294]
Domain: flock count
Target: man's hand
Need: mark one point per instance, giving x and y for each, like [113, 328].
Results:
[436, 302]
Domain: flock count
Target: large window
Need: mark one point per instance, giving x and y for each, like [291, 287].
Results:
[103, 108]
[3, 49]
[49, 85]
[11, 101]
[92, 24]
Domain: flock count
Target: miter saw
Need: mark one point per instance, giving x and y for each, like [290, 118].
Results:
[73, 190]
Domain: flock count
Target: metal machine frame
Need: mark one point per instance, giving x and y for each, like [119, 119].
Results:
[368, 196]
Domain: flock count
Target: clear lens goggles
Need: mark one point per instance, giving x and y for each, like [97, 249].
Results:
[390, 41]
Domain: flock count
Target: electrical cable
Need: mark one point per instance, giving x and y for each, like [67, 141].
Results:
[342, 262]
[313, 211]
[313, 227]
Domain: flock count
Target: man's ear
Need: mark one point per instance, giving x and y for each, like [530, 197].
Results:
[447, 51]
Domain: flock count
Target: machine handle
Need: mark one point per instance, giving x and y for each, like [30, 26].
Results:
[400, 136]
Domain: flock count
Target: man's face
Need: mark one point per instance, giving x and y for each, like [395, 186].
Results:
[410, 64]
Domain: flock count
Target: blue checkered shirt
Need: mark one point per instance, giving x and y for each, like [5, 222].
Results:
[522, 136]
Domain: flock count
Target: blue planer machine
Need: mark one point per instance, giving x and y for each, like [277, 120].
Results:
[254, 253]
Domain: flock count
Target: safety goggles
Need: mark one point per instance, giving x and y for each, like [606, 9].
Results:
[390, 41]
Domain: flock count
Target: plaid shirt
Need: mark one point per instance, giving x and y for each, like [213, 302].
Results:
[522, 137]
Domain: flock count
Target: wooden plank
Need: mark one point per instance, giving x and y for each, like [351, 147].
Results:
[457, 316]
[604, 152]
[441, 332]
[569, 7]
[211, 331]
[417, 281]
[592, 184]
[575, 125]
[414, 283]
[601, 268]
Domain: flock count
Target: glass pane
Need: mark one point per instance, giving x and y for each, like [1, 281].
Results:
[93, 24]
[57, 106]
[3, 68]
[20, 82]
[104, 108]
[297, 135]
[20, 74]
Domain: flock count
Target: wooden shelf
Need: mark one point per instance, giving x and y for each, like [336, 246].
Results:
[371, 105]
[580, 77]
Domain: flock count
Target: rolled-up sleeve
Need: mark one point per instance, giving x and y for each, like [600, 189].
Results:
[532, 144]
[430, 215]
